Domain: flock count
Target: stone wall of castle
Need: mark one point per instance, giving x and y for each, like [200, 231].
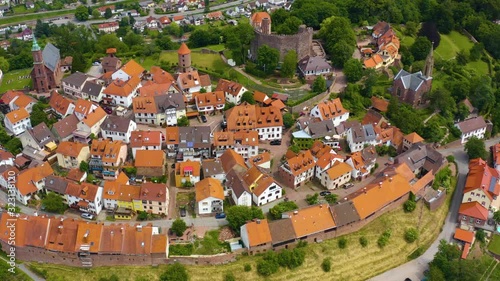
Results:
[300, 42]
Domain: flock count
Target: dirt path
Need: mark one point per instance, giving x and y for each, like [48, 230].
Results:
[237, 68]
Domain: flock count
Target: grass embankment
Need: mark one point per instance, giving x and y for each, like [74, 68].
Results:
[352, 263]
[494, 245]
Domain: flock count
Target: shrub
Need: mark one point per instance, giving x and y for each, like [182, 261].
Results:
[326, 265]
[247, 267]
[417, 253]
[450, 158]
[409, 206]
[178, 227]
[175, 272]
[267, 267]
[480, 235]
[229, 277]
[342, 243]
[411, 234]
[363, 241]
[312, 199]
[384, 238]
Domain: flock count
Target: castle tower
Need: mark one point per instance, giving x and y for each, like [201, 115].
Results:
[184, 55]
[266, 25]
[38, 74]
[429, 63]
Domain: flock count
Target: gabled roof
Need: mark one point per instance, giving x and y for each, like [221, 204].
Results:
[116, 124]
[263, 184]
[154, 192]
[209, 99]
[230, 158]
[312, 219]
[413, 138]
[83, 107]
[482, 176]
[344, 213]
[75, 175]
[282, 231]
[132, 68]
[258, 232]
[222, 138]
[84, 190]
[17, 115]
[380, 104]
[66, 126]
[379, 195]
[160, 76]
[122, 88]
[41, 134]
[464, 235]
[76, 79]
[149, 158]
[145, 138]
[230, 87]
[56, 184]
[338, 169]
[59, 103]
[261, 97]
[330, 109]
[304, 161]
[211, 167]
[314, 63]
[72, 149]
[471, 125]
[26, 179]
[411, 81]
[95, 116]
[473, 209]
[92, 89]
[207, 188]
[51, 57]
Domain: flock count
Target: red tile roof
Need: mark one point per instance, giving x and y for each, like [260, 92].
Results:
[464, 235]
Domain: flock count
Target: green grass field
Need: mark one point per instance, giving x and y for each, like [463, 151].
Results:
[352, 263]
[15, 83]
[29, 17]
[494, 245]
[212, 62]
[451, 44]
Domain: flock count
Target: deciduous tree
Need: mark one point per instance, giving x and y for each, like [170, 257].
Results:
[238, 215]
[54, 203]
[82, 13]
[248, 97]
[108, 13]
[353, 70]
[267, 59]
[475, 148]
[319, 85]
[289, 65]
[178, 227]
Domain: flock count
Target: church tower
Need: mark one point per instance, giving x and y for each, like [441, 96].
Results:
[429, 64]
[184, 55]
[38, 74]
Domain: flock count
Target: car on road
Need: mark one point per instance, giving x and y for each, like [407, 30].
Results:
[87, 216]
[108, 110]
[220, 215]
[325, 193]
[275, 142]
[203, 118]
[173, 166]
[183, 212]
[348, 185]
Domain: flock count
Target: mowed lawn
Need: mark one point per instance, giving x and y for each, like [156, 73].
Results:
[353, 263]
[211, 62]
[451, 44]
[494, 245]
[12, 80]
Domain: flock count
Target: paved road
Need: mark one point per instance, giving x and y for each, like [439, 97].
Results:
[415, 268]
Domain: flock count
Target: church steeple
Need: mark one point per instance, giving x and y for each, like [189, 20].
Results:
[429, 63]
[35, 46]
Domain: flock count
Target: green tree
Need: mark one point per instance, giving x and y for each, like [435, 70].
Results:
[110, 41]
[82, 13]
[248, 97]
[420, 48]
[84, 166]
[4, 65]
[383, 240]
[290, 26]
[229, 105]
[341, 52]
[107, 13]
[175, 272]
[363, 241]
[183, 121]
[481, 235]
[207, 5]
[326, 265]
[38, 115]
[229, 276]
[14, 146]
[331, 198]
[342, 243]
[475, 148]
[79, 63]
[312, 199]
[353, 70]
[411, 235]
[178, 227]
[496, 216]
[267, 59]
[288, 120]
[319, 85]
[409, 206]
[238, 215]
[476, 51]
[289, 65]
[267, 267]
[142, 216]
[282, 207]
[54, 203]
[96, 14]
[132, 39]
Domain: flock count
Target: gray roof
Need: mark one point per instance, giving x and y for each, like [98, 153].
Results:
[41, 134]
[77, 79]
[92, 89]
[471, 125]
[321, 129]
[56, 184]
[411, 81]
[344, 213]
[281, 231]
[236, 183]
[194, 137]
[66, 126]
[309, 63]
[363, 133]
[164, 102]
[211, 167]
[421, 156]
[369, 154]
[116, 124]
[51, 56]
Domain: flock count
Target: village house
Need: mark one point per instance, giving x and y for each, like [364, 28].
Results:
[362, 162]
[268, 121]
[472, 214]
[474, 127]
[106, 158]
[214, 16]
[153, 23]
[297, 169]
[153, 88]
[360, 136]
[411, 139]
[110, 63]
[161, 110]
[266, 190]
[108, 27]
[25, 35]
[118, 128]
[495, 150]
[209, 102]
[6, 158]
[117, 193]
[73, 84]
[83, 108]
[221, 142]
[482, 185]
[324, 158]
[145, 140]
[233, 91]
[155, 198]
[262, 160]
[314, 66]
[84, 197]
[60, 105]
[160, 76]
[39, 137]
[256, 235]
[331, 109]
[121, 92]
[337, 176]
[387, 47]
[71, 154]
[261, 98]
[64, 128]
[30, 181]
[90, 125]
[103, 9]
[187, 173]
[422, 158]
[57, 185]
[209, 197]
[237, 188]
[191, 82]
[212, 168]
[93, 91]
[17, 121]
[17, 100]
[150, 163]
[189, 142]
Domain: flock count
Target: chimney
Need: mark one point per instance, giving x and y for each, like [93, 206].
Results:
[258, 221]
[390, 179]
[380, 184]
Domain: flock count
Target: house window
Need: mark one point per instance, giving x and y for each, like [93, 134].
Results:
[478, 221]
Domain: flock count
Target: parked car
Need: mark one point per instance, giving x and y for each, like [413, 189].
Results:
[203, 118]
[220, 215]
[275, 142]
[87, 216]
[173, 166]
[183, 212]
[108, 110]
[325, 193]
[348, 185]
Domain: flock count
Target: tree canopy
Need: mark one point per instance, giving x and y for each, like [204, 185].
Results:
[82, 13]
[54, 203]
[178, 227]
[353, 70]
[475, 148]
[319, 85]
[175, 272]
[281, 208]
[267, 59]
[248, 97]
[238, 215]
[289, 65]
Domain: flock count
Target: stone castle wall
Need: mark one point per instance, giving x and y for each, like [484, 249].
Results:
[300, 42]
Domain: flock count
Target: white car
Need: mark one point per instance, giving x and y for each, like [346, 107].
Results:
[87, 216]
